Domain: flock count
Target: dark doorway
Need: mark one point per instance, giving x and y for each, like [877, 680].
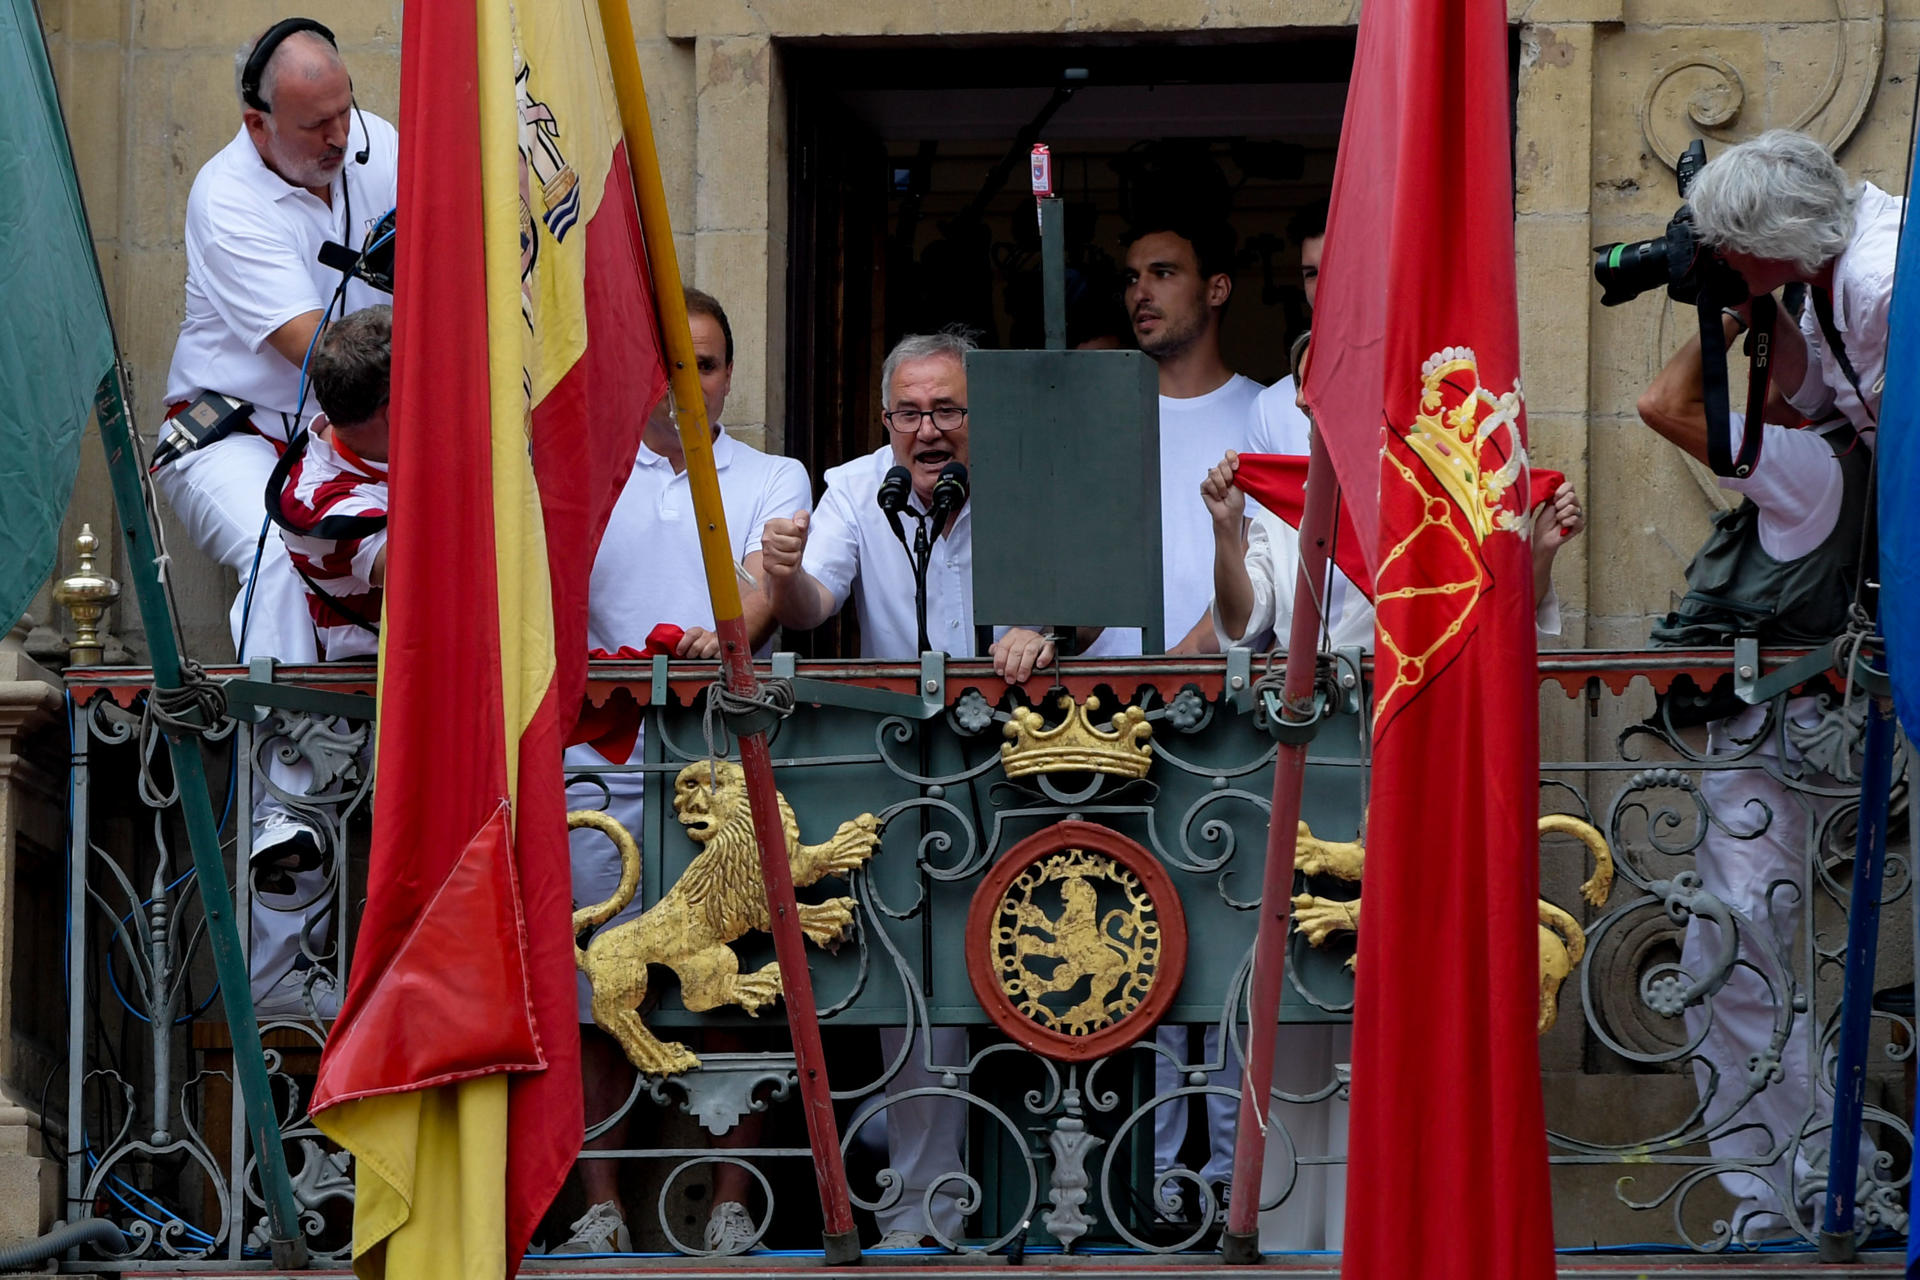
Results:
[910, 206]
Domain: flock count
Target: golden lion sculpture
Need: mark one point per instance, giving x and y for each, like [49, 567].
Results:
[1562, 941]
[718, 899]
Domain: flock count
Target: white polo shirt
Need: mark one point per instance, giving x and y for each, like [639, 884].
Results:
[648, 568]
[253, 243]
[851, 550]
[1862, 301]
[1195, 433]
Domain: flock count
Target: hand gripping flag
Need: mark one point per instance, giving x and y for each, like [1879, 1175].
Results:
[1415, 386]
[55, 343]
[526, 359]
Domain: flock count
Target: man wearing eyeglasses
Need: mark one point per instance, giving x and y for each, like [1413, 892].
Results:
[848, 548]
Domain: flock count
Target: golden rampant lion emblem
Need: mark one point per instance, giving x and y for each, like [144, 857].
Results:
[718, 899]
[1114, 954]
[1562, 941]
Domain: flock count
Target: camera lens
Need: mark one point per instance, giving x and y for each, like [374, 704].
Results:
[1625, 271]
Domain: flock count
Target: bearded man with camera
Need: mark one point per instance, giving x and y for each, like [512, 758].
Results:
[1785, 568]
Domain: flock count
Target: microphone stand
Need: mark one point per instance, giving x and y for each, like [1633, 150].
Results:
[922, 556]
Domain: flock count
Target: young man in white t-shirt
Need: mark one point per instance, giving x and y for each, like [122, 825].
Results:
[648, 571]
[1279, 426]
[1178, 280]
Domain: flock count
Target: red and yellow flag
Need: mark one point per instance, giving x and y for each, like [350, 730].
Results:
[525, 360]
[1415, 387]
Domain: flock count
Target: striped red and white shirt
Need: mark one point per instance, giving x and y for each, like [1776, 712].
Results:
[335, 508]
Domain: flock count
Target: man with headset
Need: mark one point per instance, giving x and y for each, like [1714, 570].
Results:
[304, 169]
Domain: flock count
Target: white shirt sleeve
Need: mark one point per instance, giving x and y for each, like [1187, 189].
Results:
[1813, 397]
[1546, 614]
[253, 277]
[363, 557]
[833, 545]
[1797, 485]
[1263, 569]
[788, 490]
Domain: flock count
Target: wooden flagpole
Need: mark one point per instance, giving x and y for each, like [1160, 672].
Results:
[716, 550]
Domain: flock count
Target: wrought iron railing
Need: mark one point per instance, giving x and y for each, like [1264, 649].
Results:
[985, 991]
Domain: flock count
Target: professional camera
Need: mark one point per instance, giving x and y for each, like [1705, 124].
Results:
[1675, 261]
[373, 262]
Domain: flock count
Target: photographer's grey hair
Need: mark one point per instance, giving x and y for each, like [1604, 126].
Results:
[270, 74]
[954, 341]
[1780, 196]
[350, 371]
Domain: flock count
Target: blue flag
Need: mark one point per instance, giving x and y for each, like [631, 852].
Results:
[1898, 455]
[55, 342]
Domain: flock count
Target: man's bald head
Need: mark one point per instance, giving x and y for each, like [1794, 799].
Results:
[306, 55]
[303, 133]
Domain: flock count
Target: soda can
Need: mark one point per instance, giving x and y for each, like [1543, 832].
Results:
[1042, 171]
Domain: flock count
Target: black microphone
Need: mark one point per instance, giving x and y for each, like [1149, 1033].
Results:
[895, 490]
[949, 493]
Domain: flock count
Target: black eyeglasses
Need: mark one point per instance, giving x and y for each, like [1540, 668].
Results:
[948, 417]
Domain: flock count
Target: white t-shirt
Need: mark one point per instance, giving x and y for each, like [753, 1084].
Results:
[1797, 485]
[1862, 299]
[1195, 433]
[851, 550]
[253, 243]
[648, 569]
[1278, 425]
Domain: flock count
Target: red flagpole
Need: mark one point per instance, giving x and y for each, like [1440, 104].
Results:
[1240, 1243]
[841, 1243]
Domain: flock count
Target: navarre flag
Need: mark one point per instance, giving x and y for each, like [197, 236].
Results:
[525, 361]
[1415, 386]
[56, 346]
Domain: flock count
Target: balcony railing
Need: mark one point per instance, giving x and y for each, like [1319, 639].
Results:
[988, 994]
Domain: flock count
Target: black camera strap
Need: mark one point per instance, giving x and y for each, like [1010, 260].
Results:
[1823, 309]
[1713, 381]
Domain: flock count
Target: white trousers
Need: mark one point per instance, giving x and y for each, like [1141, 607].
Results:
[1739, 1018]
[594, 859]
[217, 494]
[1170, 1120]
[925, 1136]
[1313, 1216]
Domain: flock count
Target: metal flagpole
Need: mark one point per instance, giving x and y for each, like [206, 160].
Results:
[1300, 717]
[288, 1242]
[841, 1243]
[1863, 944]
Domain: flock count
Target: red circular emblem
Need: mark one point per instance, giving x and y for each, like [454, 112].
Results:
[1076, 941]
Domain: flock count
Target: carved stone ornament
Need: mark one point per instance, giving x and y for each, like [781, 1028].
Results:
[719, 898]
[1701, 92]
[1076, 941]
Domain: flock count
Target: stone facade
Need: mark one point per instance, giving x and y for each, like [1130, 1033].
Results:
[1608, 93]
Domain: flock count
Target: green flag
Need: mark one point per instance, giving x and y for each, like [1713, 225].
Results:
[55, 341]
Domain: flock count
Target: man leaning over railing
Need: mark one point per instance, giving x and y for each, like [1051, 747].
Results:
[1782, 567]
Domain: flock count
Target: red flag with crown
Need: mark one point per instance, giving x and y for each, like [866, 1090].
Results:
[1415, 385]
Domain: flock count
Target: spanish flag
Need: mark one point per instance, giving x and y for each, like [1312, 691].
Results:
[526, 359]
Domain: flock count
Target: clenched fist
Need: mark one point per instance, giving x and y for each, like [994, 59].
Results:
[1226, 501]
[783, 543]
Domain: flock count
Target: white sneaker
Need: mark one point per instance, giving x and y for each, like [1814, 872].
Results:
[903, 1239]
[287, 997]
[730, 1228]
[600, 1229]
